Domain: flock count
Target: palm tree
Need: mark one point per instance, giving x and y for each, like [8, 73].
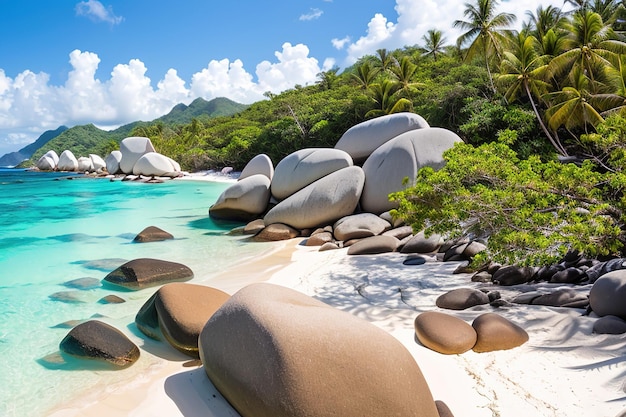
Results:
[365, 75]
[592, 47]
[544, 20]
[385, 60]
[575, 106]
[327, 79]
[434, 43]
[485, 31]
[522, 73]
[403, 71]
[384, 94]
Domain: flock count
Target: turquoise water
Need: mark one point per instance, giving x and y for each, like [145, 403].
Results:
[54, 230]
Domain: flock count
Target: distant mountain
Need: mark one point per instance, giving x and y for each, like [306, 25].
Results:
[12, 159]
[200, 108]
[85, 139]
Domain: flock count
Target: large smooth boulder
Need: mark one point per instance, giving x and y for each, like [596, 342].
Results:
[260, 164]
[358, 226]
[153, 164]
[301, 168]
[133, 148]
[608, 295]
[97, 162]
[67, 161]
[444, 333]
[97, 340]
[84, 164]
[274, 352]
[330, 198]
[48, 161]
[361, 140]
[179, 311]
[245, 200]
[113, 162]
[400, 158]
[146, 272]
[494, 332]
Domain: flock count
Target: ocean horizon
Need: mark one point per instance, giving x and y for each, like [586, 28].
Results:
[59, 227]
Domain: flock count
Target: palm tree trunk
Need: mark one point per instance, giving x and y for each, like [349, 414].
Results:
[555, 142]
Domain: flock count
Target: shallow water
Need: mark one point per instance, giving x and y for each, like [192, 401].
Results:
[54, 230]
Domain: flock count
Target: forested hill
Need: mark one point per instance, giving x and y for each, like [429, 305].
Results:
[85, 139]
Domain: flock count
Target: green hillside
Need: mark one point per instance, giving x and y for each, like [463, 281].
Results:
[85, 139]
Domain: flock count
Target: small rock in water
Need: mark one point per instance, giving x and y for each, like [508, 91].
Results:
[86, 283]
[107, 264]
[152, 234]
[414, 260]
[67, 296]
[111, 299]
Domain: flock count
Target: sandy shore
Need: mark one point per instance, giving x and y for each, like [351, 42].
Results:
[564, 369]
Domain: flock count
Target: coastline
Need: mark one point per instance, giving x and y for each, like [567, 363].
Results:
[562, 370]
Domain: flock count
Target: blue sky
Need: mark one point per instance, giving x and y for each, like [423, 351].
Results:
[111, 62]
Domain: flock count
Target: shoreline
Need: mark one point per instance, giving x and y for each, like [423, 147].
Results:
[562, 370]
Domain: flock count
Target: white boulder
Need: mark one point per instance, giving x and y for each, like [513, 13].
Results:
[49, 161]
[112, 162]
[321, 203]
[305, 166]
[84, 164]
[133, 148]
[363, 139]
[154, 164]
[97, 162]
[401, 158]
[67, 161]
[244, 200]
[260, 164]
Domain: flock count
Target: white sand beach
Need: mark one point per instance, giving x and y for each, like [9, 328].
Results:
[563, 370]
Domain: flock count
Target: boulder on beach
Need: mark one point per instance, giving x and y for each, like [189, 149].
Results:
[374, 245]
[179, 311]
[444, 333]
[274, 352]
[146, 272]
[94, 339]
[67, 161]
[513, 275]
[113, 162]
[461, 299]
[303, 167]
[260, 164]
[84, 164]
[609, 325]
[48, 161]
[608, 294]
[330, 198]
[277, 231]
[97, 162]
[422, 244]
[153, 164]
[358, 226]
[245, 200]
[494, 332]
[152, 234]
[133, 148]
[364, 138]
[400, 158]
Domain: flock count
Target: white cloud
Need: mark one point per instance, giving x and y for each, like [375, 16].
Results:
[416, 17]
[340, 43]
[97, 12]
[312, 15]
[29, 105]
